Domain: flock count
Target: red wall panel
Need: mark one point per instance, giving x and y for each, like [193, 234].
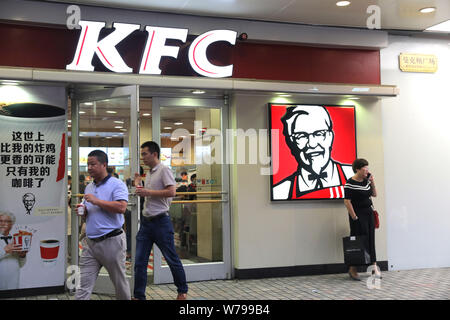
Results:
[53, 48]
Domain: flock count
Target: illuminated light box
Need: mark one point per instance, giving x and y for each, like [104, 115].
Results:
[312, 149]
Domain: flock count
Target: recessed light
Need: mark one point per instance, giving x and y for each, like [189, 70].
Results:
[353, 98]
[361, 89]
[343, 3]
[427, 10]
[178, 123]
[118, 121]
[118, 127]
[82, 112]
[441, 27]
[197, 91]
[146, 114]
[123, 129]
[112, 112]
[88, 103]
[167, 128]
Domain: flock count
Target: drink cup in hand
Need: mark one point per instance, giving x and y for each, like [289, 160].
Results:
[80, 209]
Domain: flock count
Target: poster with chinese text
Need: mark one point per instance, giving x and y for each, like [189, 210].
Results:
[33, 188]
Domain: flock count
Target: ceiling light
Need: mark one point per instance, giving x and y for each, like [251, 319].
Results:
[197, 91]
[108, 137]
[88, 103]
[109, 111]
[441, 27]
[167, 128]
[178, 123]
[82, 112]
[118, 121]
[118, 127]
[353, 98]
[427, 10]
[285, 95]
[342, 3]
[69, 121]
[146, 114]
[361, 89]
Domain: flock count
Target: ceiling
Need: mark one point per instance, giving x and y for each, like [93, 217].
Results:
[395, 14]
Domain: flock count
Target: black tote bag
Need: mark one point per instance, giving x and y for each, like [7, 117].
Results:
[355, 251]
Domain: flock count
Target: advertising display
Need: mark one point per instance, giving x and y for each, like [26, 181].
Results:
[33, 188]
[316, 146]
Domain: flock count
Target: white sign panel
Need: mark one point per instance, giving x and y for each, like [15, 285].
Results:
[33, 187]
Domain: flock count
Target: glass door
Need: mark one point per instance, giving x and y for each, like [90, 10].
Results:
[191, 135]
[105, 120]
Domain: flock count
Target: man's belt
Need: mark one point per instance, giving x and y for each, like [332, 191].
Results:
[156, 217]
[108, 235]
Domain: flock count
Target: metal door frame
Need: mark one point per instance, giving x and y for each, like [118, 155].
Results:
[202, 271]
[104, 284]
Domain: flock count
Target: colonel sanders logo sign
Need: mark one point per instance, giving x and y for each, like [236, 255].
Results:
[317, 145]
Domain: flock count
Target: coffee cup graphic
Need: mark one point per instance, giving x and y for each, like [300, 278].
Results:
[49, 251]
[30, 110]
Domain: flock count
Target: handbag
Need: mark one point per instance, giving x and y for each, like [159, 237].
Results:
[355, 250]
[377, 219]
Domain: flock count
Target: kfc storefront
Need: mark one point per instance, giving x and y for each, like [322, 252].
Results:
[258, 134]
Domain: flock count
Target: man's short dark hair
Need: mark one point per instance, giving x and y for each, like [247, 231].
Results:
[152, 147]
[358, 164]
[100, 155]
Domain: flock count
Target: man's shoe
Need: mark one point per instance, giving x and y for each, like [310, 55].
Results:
[182, 296]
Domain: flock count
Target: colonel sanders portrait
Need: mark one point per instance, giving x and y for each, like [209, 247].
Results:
[308, 132]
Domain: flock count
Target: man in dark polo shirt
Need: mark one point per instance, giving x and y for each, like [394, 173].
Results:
[106, 200]
[156, 226]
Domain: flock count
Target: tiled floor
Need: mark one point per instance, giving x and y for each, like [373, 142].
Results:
[426, 284]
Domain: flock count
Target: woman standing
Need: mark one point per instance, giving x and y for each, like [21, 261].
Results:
[358, 191]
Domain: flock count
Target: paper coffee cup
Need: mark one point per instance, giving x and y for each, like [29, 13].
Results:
[80, 209]
[49, 251]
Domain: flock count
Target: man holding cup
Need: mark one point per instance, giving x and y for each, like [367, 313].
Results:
[12, 256]
[156, 227]
[105, 202]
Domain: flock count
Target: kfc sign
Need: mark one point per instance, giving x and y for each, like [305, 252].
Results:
[154, 50]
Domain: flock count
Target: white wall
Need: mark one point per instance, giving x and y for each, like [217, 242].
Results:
[416, 157]
[299, 233]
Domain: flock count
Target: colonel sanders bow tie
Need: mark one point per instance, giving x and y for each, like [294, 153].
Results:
[6, 238]
[316, 177]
